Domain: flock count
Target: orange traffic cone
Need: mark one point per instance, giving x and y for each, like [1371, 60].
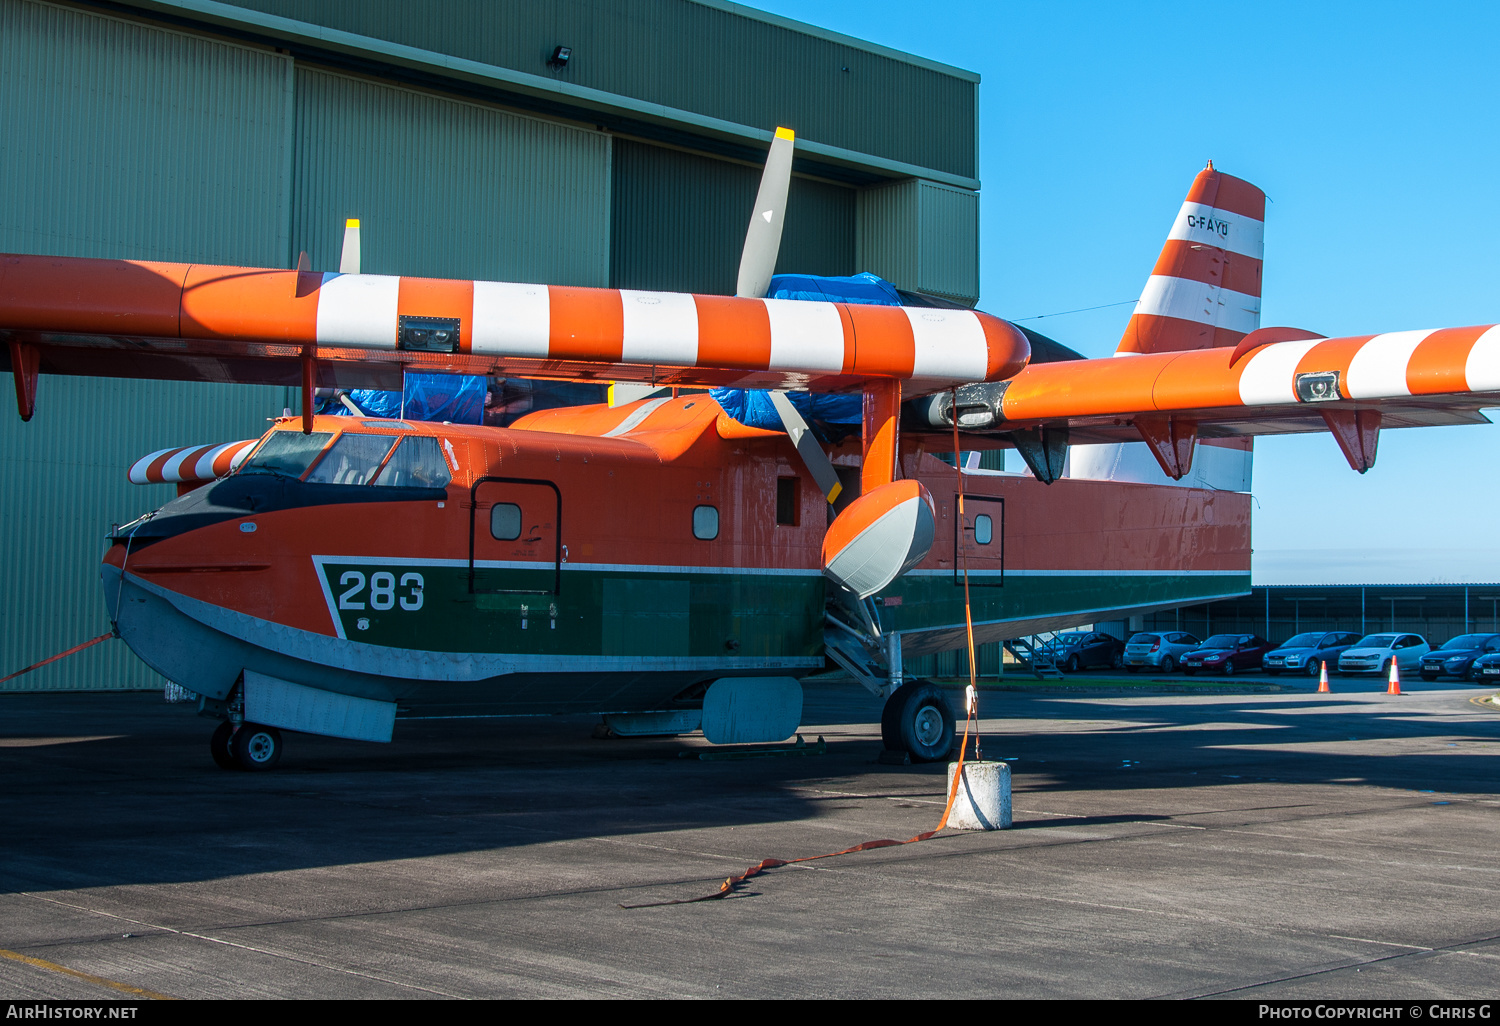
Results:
[1394, 687]
[1323, 679]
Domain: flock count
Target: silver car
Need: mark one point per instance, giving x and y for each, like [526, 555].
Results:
[1373, 653]
[1158, 650]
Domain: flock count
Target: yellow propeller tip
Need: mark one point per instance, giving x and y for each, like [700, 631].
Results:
[353, 222]
[785, 133]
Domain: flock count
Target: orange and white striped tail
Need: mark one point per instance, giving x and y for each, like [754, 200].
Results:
[1205, 288]
[1203, 292]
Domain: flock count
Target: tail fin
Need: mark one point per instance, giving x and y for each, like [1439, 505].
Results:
[1204, 292]
[1205, 288]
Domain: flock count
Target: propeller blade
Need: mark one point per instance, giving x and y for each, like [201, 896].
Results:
[763, 237]
[816, 460]
[349, 261]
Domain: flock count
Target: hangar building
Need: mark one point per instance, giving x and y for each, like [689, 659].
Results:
[246, 131]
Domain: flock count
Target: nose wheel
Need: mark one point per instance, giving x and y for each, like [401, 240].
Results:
[251, 747]
[918, 720]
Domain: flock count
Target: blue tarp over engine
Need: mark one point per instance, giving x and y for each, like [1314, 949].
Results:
[830, 416]
[456, 398]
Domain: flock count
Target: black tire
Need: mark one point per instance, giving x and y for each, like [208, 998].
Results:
[1116, 661]
[256, 747]
[918, 720]
[1274, 673]
[219, 746]
[1228, 670]
[1167, 665]
[1429, 677]
[1073, 665]
[1314, 668]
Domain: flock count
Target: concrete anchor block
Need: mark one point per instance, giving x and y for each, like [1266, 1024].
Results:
[983, 799]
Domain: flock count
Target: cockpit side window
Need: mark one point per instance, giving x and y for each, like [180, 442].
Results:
[353, 460]
[417, 463]
[286, 452]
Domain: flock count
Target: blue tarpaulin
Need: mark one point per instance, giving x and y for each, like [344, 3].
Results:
[456, 398]
[866, 289]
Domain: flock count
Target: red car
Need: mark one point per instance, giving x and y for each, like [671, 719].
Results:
[1226, 653]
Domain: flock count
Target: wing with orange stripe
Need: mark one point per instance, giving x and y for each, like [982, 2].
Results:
[263, 326]
[1352, 387]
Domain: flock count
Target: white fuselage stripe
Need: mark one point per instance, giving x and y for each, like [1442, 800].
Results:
[1207, 226]
[635, 418]
[358, 310]
[1201, 302]
[1482, 368]
[949, 344]
[511, 319]
[1379, 368]
[1270, 374]
[805, 335]
[659, 327]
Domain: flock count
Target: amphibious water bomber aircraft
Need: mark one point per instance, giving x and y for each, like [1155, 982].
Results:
[660, 562]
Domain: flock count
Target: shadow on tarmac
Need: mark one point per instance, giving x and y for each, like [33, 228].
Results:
[108, 789]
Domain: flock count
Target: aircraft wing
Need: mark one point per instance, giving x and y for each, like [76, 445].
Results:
[1351, 386]
[129, 318]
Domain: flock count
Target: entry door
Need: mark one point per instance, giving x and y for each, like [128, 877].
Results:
[515, 537]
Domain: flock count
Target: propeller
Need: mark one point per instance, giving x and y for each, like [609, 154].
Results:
[757, 264]
[763, 237]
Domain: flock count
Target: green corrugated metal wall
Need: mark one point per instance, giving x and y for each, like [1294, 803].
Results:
[679, 221]
[922, 236]
[105, 126]
[693, 57]
[502, 197]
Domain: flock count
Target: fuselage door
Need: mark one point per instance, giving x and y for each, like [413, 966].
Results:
[515, 537]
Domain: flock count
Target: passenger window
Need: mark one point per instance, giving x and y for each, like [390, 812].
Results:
[705, 523]
[787, 504]
[505, 521]
[984, 530]
[353, 460]
[417, 463]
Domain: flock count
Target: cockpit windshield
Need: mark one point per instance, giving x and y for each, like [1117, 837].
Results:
[418, 463]
[286, 452]
[353, 460]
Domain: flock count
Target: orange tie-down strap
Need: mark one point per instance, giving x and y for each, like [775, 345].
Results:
[731, 883]
[60, 655]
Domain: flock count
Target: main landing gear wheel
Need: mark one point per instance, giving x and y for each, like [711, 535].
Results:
[256, 747]
[218, 746]
[917, 720]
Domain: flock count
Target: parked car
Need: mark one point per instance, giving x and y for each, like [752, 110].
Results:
[1457, 655]
[1226, 654]
[1160, 651]
[1306, 653]
[1486, 669]
[1373, 653]
[1079, 649]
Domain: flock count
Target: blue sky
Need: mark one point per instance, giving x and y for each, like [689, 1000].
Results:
[1372, 128]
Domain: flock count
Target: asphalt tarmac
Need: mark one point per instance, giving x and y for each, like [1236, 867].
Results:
[1244, 844]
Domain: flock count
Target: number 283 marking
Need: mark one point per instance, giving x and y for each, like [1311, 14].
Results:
[382, 590]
